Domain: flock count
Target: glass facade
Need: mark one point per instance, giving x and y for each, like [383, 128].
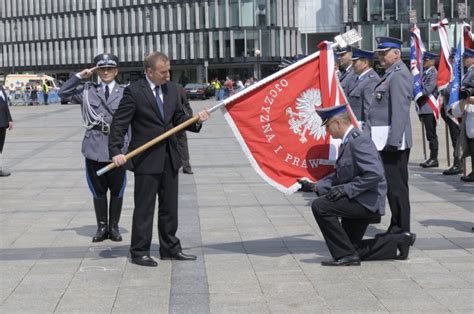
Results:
[391, 18]
[55, 35]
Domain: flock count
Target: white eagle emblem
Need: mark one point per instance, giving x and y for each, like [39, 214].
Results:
[305, 118]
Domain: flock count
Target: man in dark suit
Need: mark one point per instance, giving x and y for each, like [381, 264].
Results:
[6, 122]
[355, 193]
[151, 106]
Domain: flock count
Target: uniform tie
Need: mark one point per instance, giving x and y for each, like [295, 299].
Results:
[159, 102]
[107, 92]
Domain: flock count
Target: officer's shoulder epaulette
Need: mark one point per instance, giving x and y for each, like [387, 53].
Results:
[372, 75]
[355, 134]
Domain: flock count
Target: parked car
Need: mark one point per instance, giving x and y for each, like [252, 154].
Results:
[198, 91]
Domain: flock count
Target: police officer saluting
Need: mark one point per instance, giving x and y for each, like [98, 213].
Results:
[99, 102]
[425, 111]
[355, 193]
[390, 108]
[360, 95]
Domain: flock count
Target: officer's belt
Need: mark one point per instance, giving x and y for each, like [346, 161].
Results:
[104, 128]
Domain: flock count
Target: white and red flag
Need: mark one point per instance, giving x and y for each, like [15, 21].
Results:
[468, 36]
[277, 126]
[445, 71]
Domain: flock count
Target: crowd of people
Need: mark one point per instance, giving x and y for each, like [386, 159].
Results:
[231, 85]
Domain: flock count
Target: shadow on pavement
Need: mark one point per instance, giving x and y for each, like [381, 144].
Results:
[464, 226]
[87, 231]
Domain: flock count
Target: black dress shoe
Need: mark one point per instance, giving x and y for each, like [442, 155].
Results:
[4, 173]
[144, 261]
[350, 260]
[456, 169]
[469, 177]
[430, 163]
[404, 246]
[114, 234]
[188, 171]
[101, 234]
[180, 256]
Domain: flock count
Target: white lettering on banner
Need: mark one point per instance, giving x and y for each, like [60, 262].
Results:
[265, 109]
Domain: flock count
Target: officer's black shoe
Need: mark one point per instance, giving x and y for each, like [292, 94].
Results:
[455, 169]
[100, 207]
[430, 163]
[469, 177]
[404, 246]
[350, 260]
[180, 256]
[144, 261]
[4, 173]
[188, 170]
[101, 234]
[115, 210]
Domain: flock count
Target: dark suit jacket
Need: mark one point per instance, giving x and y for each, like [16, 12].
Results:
[139, 109]
[5, 115]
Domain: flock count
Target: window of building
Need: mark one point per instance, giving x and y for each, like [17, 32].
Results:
[222, 13]
[431, 9]
[375, 9]
[389, 7]
[202, 15]
[261, 13]
[239, 43]
[362, 10]
[273, 12]
[445, 6]
[234, 12]
[247, 13]
[252, 42]
[212, 13]
[394, 30]
[215, 45]
[367, 37]
[403, 9]
[266, 43]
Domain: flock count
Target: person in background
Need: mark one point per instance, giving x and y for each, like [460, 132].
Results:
[425, 112]
[6, 123]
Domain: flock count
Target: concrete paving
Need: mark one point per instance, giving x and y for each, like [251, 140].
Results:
[259, 251]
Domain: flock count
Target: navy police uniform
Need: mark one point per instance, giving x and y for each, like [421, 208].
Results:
[425, 112]
[467, 83]
[347, 77]
[391, 107]
[5, 119]
[355, 193]
[360, 94]
[99, 103]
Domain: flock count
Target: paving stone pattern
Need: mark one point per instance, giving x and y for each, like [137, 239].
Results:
[259, 251]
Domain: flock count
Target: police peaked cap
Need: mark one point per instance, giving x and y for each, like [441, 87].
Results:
[328, 113]
[429, 56]
[106, 60]
[468, 53]
[360, 53]
[342, 51]
[386, 43]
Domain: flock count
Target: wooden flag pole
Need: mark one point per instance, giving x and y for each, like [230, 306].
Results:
[149, 144]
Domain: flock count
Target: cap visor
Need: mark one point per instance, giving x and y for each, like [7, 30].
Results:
[383, 49]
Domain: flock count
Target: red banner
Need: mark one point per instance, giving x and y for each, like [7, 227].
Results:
[277, 125]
